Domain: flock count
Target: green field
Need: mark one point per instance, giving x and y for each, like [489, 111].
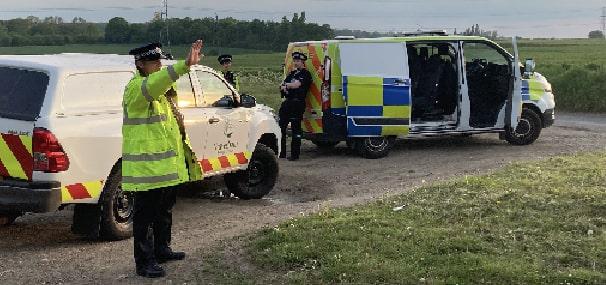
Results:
[530, 223]
[576, 68]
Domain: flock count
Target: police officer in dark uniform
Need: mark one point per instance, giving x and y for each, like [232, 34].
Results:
[225, 60]
[294, 89]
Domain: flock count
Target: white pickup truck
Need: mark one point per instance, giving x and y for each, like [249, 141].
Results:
[61, 140]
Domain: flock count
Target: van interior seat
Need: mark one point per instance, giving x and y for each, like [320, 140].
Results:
[434, 83]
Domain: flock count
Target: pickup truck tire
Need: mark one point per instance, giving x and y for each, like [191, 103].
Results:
[528, 130]
[374, 147]
[258, 179]
[7, 220]
[116, 208]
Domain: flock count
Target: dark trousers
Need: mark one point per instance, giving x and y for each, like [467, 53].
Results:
[292, 111]
[152, 223]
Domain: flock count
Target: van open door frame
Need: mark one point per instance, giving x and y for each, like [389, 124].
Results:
[514, 105]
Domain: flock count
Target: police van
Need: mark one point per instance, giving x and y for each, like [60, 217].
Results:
[368, 92]
[61, 137]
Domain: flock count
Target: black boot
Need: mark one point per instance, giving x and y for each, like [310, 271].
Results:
[169, 255]
[152, 270]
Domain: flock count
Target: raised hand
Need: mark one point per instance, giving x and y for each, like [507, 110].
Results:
[194, 55]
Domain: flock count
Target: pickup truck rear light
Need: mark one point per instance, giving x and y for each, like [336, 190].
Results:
[49, 155]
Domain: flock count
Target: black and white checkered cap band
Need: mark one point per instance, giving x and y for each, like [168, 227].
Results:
[148, 53]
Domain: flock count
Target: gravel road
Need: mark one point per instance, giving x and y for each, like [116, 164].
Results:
[40, 249]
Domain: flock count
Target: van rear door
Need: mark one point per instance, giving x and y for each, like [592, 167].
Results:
[22, 93]
[376, 87]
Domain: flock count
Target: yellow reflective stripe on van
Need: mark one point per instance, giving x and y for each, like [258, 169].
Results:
[536, 89]
[364, 91]
[10, 162]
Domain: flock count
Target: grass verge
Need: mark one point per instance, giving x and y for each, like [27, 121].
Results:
[530, 223]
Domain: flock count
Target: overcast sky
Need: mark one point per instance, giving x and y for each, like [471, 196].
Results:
[532, 18]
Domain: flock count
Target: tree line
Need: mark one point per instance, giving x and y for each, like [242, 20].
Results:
[226, 32]
[50, 31]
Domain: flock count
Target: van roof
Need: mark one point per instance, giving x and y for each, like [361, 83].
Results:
[404, 39]
[74, 62]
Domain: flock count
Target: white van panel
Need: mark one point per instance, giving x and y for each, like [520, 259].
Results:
[374, 59]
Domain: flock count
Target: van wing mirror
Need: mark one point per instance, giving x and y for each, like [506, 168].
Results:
[529, 67]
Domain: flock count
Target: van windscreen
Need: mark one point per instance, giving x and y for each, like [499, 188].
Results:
[21, 93]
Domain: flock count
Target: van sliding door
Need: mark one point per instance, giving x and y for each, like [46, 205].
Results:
[376, 87]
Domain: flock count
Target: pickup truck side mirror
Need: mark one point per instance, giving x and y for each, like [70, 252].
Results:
[225, 102]
[530, 66]
[248, 101]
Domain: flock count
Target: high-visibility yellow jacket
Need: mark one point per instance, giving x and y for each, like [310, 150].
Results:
[154, 154]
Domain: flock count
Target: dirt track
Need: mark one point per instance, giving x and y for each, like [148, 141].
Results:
[41, 248]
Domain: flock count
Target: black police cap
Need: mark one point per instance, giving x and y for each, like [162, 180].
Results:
[299, 55]
[152, 51]
[225, 58]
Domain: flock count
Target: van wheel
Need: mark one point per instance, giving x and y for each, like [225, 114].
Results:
[325, 144]
[7, 220]
[374, 147]
[260, 177]
[117, 208]
[528, 129]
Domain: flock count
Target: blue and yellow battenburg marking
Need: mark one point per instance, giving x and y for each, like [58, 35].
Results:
[377, 97]
[532, 89]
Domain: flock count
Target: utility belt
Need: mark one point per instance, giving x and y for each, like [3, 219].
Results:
[294, 97]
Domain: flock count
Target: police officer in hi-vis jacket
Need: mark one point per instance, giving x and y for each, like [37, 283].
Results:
[156, 156]
[294, 89]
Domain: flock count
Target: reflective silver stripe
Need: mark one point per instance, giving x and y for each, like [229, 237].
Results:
[173, 74]
[150, 179]
[145, 92]
[149, 156]
[144, 121]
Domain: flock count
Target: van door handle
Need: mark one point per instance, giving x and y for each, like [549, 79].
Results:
[213, 120]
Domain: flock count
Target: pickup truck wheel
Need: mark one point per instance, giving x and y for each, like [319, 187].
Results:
[7, 220]
[374, 147]
[116, 208]
[260, 177]
[528, 129]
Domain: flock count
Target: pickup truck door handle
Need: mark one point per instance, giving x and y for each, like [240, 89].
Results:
[213, 120]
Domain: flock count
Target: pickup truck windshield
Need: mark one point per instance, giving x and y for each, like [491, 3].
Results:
[21, 93]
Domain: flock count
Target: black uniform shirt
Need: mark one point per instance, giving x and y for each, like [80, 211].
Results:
[231, 78]
[302, 76]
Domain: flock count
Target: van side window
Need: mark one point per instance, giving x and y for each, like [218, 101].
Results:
[485, 53]
[213, 88]
[185, 92]
[94, 92]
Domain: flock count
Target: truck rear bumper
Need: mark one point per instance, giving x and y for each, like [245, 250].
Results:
[22, 196]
